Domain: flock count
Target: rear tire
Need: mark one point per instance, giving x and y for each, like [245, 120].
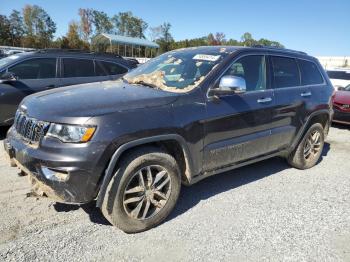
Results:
[143, 191]
[309, 149]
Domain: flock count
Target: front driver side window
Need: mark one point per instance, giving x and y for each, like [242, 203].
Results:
[252, 69]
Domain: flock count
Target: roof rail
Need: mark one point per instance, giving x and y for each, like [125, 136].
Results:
[79, 51]
[280, 48]
[56, 50]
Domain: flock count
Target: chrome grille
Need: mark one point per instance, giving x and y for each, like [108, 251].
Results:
[29, 129]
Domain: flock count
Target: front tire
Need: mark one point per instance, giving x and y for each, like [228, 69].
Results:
[143, 191]
[309, 149]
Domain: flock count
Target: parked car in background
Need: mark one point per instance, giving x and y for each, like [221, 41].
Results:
[2, 54]
[13, 52]
[340, 77]
[341, 104]
[132, 143]
[30, 72]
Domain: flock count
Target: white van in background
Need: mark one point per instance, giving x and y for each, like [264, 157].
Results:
[340, 77]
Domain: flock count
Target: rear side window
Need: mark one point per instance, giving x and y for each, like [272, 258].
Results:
[39, 68]
[343, 75]
[285, 72]
[78, 67]
[310, 75]
[107, 68]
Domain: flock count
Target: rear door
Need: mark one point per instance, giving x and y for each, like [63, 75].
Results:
[291, 99]
[237, 126]
[78, 71]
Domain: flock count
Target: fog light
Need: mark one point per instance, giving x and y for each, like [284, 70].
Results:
[55, 174]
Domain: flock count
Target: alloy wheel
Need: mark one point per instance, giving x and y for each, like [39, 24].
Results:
[312, 145]
[147, 192]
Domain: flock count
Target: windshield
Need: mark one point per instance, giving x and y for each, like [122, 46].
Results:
[347, 88]
[7, 60]
[176, 71]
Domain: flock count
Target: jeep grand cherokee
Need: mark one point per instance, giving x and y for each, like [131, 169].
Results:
[183, 116]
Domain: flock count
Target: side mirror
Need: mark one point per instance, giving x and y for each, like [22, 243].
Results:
[230, 85]
[8, 77]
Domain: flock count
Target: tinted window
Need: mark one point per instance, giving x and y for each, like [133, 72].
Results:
[310, 75]
[107, 68]
[252, 69]
[78, 67]
[285, 72]
[343, 75]
[40, 68]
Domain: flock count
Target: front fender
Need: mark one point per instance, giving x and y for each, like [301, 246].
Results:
[143, 141]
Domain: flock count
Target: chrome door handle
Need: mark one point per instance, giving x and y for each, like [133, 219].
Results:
[305, 94]
[265, 100]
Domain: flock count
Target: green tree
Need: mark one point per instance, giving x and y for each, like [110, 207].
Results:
[155, 33]
[247, 39]
[61, 42]
[16, 27]
[166, 39]
[86, 21]
[102, 22]
[233, 42]
[39, 27]
[73, 37]
[129, 25]
[5, 33]
[211, 39]
[220, 38]
[266, 42]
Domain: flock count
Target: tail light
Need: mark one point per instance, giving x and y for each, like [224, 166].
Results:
[333, 97]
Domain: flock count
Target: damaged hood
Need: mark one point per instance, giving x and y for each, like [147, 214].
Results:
[94, 99]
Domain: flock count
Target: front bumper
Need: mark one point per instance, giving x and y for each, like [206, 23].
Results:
[341, 117]
[78, 163]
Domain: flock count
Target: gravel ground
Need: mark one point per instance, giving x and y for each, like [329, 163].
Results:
[264, 212]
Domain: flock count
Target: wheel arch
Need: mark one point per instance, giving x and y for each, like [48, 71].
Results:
[323, 117]
[174, 144]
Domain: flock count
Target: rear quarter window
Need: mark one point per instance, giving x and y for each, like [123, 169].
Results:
[310, 74]
[104, 68]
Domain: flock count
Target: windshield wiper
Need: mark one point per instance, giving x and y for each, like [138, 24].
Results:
[145, 84]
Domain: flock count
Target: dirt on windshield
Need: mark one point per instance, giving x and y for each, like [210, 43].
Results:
[157, 79]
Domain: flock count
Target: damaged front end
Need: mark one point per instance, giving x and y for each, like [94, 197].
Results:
[68, 175]
[40, 189]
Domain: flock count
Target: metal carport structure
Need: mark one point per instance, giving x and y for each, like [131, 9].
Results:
[125, 45]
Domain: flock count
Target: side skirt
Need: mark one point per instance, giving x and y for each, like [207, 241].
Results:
[234, 166]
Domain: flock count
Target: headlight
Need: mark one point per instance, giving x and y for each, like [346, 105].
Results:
[70, 133]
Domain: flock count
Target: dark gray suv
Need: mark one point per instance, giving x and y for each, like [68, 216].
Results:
[27, 73]
[183, 116]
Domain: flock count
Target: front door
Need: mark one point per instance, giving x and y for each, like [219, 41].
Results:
[238, 125]
[34, 75]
